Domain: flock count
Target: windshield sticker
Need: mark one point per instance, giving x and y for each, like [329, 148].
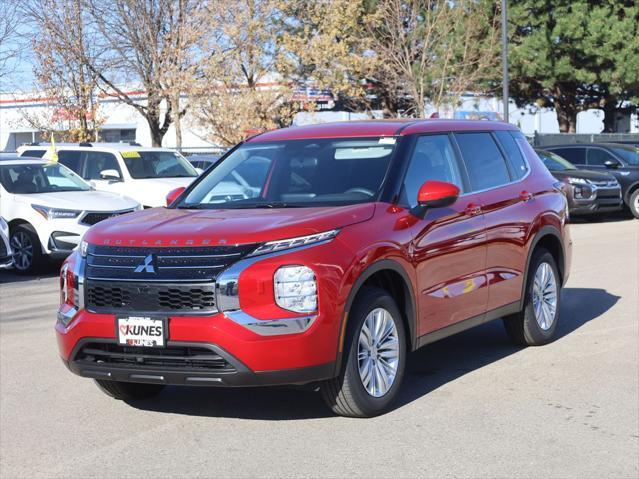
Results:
[387, 141]
[130, 154]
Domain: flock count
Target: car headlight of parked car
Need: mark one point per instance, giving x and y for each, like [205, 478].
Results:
[55, 213]
[582, 188]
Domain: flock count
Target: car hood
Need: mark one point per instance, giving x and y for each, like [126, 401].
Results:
[176, 227]
[585, 174]
[80, 200]
[153, 191]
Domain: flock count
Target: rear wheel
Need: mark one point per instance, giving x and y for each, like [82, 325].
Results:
[537, 322]
[27, 253]
[374, 358]
[634, 203]
[129, 391]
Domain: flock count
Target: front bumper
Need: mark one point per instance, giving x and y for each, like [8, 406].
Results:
[143, 367]
[604, 200]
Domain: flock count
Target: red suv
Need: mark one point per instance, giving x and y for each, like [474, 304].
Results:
[321, 254]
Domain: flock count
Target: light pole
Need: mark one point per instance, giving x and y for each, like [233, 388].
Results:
[504, 57]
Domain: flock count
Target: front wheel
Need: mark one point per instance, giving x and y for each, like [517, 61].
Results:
[27, 253]
[374, 358]
[129, 391]
[536, 324]
[634, 203]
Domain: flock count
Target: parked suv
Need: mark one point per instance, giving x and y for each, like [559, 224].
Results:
[356, 243]
[144, 174]
[589, 192]
[622, 161]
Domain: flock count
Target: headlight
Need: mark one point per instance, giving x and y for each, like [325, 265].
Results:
[55, 213]
[578, 181]
[296, 289]
[280, 245]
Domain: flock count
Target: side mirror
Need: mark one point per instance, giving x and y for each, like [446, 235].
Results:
[611, 164]
[173, 194]
[435, 194]
[111, 175]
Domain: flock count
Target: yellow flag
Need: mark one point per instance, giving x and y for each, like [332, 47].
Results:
[52, 154]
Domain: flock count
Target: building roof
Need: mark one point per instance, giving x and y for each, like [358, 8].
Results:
[375, 128]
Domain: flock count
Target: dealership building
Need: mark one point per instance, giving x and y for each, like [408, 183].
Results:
[21, 113]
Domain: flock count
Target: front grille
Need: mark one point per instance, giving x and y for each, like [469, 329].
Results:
[605, 183]
[161, 264]
[113, 296]
[172, 357]
[95, 217]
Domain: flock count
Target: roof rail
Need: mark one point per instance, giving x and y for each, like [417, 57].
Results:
[34, 143]
[84, 143]
[132, 143]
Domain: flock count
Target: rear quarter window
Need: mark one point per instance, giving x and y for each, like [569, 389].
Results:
[514, 154]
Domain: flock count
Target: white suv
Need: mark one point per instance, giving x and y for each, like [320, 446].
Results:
[49, 208]
[144, 174]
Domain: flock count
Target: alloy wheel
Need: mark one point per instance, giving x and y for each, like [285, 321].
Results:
[22, 250]
[378, 352]
[544, 296]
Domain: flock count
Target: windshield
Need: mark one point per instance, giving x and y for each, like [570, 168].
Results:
[628, 154]
[555, 162]
[157, 164]
[40, 178]
[317, 172]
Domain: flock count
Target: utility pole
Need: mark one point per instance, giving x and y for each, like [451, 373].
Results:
[504, 56]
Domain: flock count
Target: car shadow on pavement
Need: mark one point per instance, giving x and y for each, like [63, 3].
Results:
[428, 369]
[50, 269]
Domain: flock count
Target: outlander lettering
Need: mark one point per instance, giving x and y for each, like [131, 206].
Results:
[321, 255]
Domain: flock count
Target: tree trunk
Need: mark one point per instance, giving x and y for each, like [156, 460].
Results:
[610, 114]
[178, 123]
[153, 119]
[566, 111]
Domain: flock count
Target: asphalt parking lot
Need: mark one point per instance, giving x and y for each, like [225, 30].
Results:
[471, 406]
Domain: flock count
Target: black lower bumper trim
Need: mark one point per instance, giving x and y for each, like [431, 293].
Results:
[238, 376]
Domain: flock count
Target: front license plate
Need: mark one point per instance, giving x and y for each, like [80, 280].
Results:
[141, 331]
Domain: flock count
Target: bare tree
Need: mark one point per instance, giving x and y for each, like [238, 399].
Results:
[154, 43]
[241, 90]
[9, 48]
[67, 84]
[437, 49]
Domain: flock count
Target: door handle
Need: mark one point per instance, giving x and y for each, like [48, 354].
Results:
[473, 209]
[525, 196]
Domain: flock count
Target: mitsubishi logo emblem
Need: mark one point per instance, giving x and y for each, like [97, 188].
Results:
[146, 266]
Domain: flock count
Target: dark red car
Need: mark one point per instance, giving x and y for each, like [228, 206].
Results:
[321, 254]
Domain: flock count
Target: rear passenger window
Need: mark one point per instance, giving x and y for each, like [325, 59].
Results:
[598, 157]
[97, 161]
[577, 156]
[433, 159]
[70, 159]
[513, 153]
[485, 164]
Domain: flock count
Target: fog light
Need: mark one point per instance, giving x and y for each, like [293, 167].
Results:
[296, 289]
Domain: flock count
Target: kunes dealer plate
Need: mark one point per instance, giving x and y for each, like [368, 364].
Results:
[141, 331]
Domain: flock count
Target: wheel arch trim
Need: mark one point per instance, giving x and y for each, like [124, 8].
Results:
[410, 310]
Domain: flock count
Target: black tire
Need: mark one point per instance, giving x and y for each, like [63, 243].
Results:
[346, 394]
[26, 249]
[522, 328]
[129, 391]
[634, 203]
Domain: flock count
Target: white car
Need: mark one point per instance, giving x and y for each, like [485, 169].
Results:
[144, 174]
[6, 255]
[49, 208]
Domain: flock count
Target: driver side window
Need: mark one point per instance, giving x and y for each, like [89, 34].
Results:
[433, 159]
